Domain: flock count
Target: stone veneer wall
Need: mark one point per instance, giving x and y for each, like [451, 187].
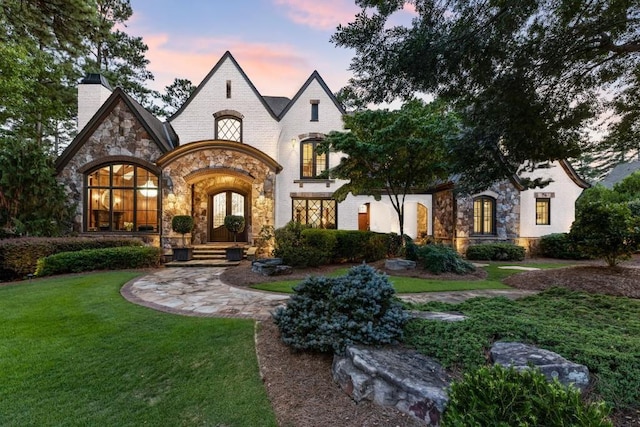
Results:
[507, 217]
[198, 174]
[443, 214]
[120, 134]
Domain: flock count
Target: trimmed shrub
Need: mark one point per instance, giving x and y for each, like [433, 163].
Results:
[19, 257]
[321, 243]
[559, 245]
[182, 224]
[441, 259]
[99, 259]
[497, 396]
[496, 252]
[329, 314]
[291, 248]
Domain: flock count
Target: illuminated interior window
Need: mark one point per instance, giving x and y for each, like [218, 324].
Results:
[122, 197]
[318, 213]
[312, 163]
[484, 215]
[543, 211]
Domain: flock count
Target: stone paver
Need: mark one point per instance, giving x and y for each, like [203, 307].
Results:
[198, 291]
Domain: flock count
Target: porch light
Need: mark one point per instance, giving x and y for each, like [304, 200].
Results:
[293, 143]
[149, 189]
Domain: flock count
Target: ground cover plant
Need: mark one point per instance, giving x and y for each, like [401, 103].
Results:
[73, 351]
[599, 331]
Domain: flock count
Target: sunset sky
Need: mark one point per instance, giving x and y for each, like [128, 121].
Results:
[278, 43]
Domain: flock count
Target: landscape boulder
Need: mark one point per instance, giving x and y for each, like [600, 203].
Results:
[552, 365]
[399, 264]
[270, 267]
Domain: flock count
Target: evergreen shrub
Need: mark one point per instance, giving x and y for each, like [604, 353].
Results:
[19, 257]
[496, 252]
[559, 245]
[498, 396]
[329, 314]
[441, 259]
[99, 259]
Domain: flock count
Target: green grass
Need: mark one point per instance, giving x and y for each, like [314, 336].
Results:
[74, 352]
[599, 331]
[415, 285]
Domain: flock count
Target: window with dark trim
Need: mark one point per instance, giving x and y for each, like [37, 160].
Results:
[312, 163]
[229, 128]
[122, 197]
[484, 215]
[315, 110]
[318, 213]
[228, 89]
[543, 211]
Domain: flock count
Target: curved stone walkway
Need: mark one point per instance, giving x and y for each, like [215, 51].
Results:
[200, 292]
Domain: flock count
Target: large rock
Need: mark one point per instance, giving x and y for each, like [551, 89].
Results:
[405, 379]
[399, 264]
[270, 267]
[552, 365]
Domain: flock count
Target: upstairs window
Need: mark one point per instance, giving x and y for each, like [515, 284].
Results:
[484, 215]
[122, 197]
[543, 211]
[229, 129]
[228, 89]
[315, 110]
[312, 163]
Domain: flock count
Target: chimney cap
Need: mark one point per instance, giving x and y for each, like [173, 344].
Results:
[96, 79]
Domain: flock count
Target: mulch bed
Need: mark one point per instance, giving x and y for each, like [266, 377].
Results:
[300, 386]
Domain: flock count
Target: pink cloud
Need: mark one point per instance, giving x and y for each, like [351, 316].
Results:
[325, 14]
[277, 70]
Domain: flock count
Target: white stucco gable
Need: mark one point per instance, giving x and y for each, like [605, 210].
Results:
[562, 192]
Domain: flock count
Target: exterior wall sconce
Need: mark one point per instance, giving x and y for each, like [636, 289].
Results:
[293, 143]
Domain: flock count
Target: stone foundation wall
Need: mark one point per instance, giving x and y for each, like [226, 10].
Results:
[443, 213]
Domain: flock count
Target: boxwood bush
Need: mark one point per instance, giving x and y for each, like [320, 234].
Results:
[496, 252]
[99, 259]
[329, 314]
[440, 259]
[559, 245]
[497, 396]
[19, 257]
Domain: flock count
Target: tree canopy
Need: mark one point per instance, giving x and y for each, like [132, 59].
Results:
[393, 152]
[528, 77]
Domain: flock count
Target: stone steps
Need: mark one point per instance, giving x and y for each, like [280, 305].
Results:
[210, 255]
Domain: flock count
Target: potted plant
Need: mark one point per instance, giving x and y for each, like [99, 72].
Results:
[235, 225]
[182, 224]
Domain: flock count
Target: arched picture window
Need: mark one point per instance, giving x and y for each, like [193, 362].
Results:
[229, 128]
[484, 215]
[122, 197]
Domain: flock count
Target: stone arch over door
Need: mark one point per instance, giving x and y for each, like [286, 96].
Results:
[200, 170]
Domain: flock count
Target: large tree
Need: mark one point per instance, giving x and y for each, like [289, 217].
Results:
[393, 153]
[175, 95]
[527, 76]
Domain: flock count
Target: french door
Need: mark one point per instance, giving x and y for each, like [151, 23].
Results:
[222, 204]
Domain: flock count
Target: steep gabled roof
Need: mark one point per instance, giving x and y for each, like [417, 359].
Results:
[314, 76]
[277, 103]
[160, 133]
[227, 55]
[619, 173]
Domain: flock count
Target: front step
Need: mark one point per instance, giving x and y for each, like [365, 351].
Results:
[211, 255]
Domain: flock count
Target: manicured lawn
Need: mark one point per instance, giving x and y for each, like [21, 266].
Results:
[74, 352]
[414, 285]
[599, 331]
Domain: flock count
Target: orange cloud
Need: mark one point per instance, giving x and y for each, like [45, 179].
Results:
[325, 14]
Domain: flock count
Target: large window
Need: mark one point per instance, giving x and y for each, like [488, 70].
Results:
[312, 163]
[543, 211]
[122, 197]
[484, 215]
[318, 213]
[229, 128]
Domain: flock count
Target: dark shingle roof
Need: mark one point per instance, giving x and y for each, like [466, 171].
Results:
[277, 103]
[619, 173]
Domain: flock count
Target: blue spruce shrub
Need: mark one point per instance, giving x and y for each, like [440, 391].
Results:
[329, 314]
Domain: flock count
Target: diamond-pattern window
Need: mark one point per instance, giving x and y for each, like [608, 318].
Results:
[318, 213]
[229, 129]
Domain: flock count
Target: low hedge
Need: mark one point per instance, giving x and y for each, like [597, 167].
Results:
[496, 252]
[19, 257]
[99, 259]
[559, 245]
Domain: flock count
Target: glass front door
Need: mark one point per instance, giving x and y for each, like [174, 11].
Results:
[223, 204]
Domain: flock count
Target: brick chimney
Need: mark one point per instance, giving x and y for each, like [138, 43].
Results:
[93, 91]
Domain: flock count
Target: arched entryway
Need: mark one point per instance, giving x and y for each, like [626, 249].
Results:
[223, 203]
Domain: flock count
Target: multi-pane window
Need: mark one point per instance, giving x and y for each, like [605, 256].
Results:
[312, 163]
[122, 197]
[484, 215]
[318, 213]
[229, 129]
[543, 211]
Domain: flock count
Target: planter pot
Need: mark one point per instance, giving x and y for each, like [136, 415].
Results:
[182, 254]
[235, 253]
